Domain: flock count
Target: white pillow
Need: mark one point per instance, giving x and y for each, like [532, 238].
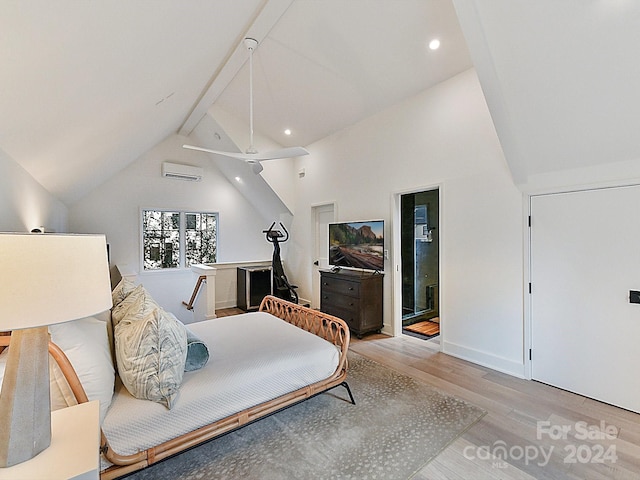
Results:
[151, 353]
[61, 393]
[85, 343]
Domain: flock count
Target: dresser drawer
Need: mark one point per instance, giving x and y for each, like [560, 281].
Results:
[343, 287]
[351, 317]
[338, 300]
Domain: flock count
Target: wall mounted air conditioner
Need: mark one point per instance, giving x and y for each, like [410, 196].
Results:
[182, 172]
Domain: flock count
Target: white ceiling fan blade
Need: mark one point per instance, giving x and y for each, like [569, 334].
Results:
[277, 154]
[238, 155]
[256, 157]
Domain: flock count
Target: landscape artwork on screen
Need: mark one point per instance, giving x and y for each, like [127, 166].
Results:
[357, 244]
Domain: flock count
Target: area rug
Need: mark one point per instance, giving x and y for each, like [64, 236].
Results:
[396, 427]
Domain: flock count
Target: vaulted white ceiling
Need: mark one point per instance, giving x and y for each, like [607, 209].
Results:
[560, 79]
[87, 87]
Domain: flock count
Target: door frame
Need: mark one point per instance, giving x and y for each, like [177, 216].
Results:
[526, 226]
[529, 264]
[396, 271]
[315, 277]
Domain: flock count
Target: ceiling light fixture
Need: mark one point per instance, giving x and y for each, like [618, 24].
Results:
[434, 44]
[287, 131]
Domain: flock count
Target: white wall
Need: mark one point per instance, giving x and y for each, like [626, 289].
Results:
[114, 209]
[442, 136]
[24, 203]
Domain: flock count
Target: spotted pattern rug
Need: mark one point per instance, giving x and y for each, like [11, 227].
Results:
[396, 427]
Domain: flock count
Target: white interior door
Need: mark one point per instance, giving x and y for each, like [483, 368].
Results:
[322, 215]
[585, 260]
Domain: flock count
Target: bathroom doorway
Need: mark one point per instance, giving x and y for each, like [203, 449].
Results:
[420, 263]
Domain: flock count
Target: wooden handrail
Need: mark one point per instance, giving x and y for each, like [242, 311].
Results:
[201, 279]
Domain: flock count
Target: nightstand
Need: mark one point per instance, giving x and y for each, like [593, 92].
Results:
[73, 453]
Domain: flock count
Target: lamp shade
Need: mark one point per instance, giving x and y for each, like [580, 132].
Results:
[48, 279]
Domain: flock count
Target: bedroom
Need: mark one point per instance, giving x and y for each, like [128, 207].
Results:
[453, 135]
[433, 120]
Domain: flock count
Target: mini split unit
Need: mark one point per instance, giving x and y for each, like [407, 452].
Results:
[181, 172]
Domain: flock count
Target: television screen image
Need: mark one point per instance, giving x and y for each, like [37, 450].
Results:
[357, 244]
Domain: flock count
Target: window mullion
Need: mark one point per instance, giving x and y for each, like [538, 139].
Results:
[183, 241]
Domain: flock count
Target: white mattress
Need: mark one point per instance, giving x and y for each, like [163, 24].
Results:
[254, 357]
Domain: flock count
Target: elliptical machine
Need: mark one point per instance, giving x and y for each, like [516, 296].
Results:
[282, 288]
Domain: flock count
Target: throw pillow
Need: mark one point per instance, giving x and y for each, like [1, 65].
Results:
[136, 305]
[197, 352]
[122, 290]
[151, 354]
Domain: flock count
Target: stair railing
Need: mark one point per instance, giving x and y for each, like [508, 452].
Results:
[201, 279]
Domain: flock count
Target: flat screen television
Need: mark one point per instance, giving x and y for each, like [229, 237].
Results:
[357, 244]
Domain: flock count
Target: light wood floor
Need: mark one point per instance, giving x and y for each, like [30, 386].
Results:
[511, 430]
[509, 442]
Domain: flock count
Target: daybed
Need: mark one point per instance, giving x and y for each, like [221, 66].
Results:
[258, 363]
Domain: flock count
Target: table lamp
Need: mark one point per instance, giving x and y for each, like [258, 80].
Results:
[45, 279]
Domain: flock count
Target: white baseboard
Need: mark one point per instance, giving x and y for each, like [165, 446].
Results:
[226, 304]
[485, 359]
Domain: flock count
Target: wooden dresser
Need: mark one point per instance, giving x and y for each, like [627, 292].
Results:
[355, 297]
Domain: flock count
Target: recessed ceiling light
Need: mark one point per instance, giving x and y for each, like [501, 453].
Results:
[434, 44]
[287, 131]
[238, 179]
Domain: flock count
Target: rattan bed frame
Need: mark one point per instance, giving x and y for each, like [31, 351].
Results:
[325, 326]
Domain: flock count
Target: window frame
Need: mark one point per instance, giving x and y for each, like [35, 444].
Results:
[182, 237]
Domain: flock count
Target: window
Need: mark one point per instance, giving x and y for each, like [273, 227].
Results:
[200, 233]
[171, 239]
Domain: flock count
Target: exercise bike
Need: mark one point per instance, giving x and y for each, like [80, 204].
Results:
[282, 288]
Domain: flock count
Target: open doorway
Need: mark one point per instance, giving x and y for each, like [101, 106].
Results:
[420, 263]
